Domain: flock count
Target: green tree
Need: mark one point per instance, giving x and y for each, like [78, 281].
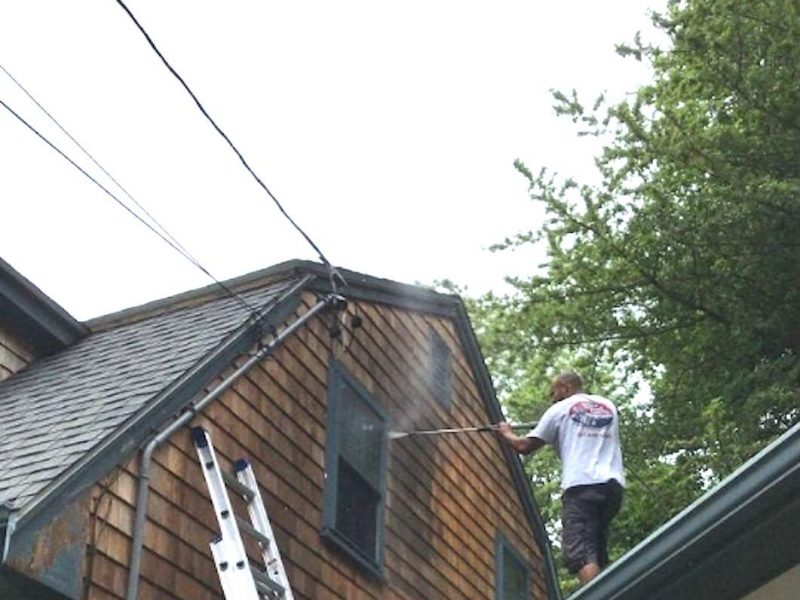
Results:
[681, 268]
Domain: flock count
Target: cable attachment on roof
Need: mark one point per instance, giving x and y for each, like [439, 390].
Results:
[337, 304]
[333, 275]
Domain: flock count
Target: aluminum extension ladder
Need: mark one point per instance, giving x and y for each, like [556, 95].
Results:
[239, 579]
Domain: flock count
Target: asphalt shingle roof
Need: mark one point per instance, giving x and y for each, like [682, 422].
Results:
[54, 412]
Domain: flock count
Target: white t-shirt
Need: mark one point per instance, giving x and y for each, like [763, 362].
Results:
[584, 430]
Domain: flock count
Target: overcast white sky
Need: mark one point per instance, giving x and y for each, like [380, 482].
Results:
[387, 129]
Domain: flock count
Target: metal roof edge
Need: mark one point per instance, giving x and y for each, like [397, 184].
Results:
[746, 491]
[116, 448]
[51, 326]
[384, 291]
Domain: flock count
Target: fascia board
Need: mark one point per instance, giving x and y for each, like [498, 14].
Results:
[39, 319]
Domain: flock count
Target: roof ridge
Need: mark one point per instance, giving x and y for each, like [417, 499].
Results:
[208, 293]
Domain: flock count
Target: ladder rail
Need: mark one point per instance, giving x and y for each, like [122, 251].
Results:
[234, 584]
[238, 578]
[260, 520]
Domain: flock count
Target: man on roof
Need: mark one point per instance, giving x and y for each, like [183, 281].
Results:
[584, 431]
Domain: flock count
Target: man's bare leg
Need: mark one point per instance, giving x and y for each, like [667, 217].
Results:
[588, 572]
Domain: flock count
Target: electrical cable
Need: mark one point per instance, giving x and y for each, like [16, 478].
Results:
[332, 272]
[99, 166]
[175, 247]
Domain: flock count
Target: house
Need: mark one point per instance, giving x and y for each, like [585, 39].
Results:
[102, 495]
[739, 541]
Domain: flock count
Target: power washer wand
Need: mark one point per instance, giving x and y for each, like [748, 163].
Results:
[393, 435]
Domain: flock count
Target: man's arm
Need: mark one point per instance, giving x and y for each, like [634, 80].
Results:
[523, 445]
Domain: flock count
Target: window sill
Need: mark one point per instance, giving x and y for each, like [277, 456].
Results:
[368, 567]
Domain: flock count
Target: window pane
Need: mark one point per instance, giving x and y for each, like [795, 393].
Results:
[352, 515]
[356, 509]
[515, 577]
[361, 434]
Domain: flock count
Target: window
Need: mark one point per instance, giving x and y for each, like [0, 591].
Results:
[512, 573]
[355, 465]
[440, 370]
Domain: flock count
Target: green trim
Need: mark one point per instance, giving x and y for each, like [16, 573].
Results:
[382, 291]
[502, 545]
[338, 377]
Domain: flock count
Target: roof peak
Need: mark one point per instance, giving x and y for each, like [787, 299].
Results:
[261, 278]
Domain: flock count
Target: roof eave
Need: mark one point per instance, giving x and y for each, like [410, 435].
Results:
[33, 315]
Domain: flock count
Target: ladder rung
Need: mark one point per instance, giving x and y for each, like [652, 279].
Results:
[237, 486]
[265, 584]
[239, 579]
[253, 532]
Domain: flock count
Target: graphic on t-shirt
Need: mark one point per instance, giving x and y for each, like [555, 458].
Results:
[591, 413]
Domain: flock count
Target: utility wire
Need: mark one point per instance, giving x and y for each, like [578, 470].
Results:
[334, 274]
[188, 257]
[99, 166]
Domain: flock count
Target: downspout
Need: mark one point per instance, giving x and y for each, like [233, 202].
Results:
[190, 413]
[8, 521]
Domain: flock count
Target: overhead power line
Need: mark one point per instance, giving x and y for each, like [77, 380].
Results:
[99, 166]
[333, 273]
[138, 217]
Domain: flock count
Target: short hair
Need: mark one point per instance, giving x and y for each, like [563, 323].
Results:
[573, 380]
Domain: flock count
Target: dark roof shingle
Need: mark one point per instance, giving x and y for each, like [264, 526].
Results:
[54, 412]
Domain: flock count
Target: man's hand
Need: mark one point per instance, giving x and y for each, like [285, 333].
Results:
[504, 431]
[523, 445]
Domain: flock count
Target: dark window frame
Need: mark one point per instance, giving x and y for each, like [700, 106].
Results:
[503, 545]
[338, 377]
[440, 370]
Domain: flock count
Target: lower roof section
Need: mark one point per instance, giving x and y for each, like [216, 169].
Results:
[733, 540]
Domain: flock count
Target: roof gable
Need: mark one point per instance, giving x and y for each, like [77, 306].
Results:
[71, 417]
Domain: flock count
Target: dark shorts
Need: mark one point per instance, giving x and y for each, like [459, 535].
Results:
[586, 513]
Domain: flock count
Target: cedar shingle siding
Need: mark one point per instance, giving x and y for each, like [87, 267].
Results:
[446, 499]
[14, 354]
